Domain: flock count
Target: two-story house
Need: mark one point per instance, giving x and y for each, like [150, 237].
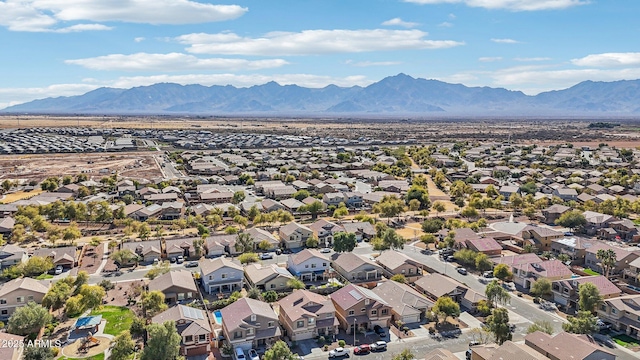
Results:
[308, 265]
[624, 256]
[632, 273]
[623, 313]
[221, 276]
[294, 235]
[12, 255]
[176, 285]
[596, 221]
[333, 198]
[626, 230]
[193, 327]
[407, 304]
[357, 269]
[215, 245]
[362, 230]
[324, 231]
[353, 199]
[436, 285]
[259, 235]
[566, 346]
[526, 274]
[565, 292]
[360, 308]
[553, 213]
[267, 277]
[396, 263]
[18, 292]
[572, 246]
[180, 247]
[541, 236]
[305, 315]
[249, 323]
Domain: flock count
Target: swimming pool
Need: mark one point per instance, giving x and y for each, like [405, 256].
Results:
[218, 316]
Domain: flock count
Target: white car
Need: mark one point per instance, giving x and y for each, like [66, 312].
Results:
[338, 352]
[59, 269]
[265, 256]
[325, 250]
[253, 355]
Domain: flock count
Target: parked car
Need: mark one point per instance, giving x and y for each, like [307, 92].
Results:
[462, 271]
[474, 343]
[380, 331]
[173, 260]
[338, 352]
[239, 354]
[468, 354]
[278, 251]
[265, 256]
[253, 355]
[450, 259]
[191, 264]
[378, 346]
[59, 269]
[488, 274]
[325, 250]
[180, 259]
[362, 349]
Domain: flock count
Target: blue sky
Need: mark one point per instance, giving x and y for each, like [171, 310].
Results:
[69, 47]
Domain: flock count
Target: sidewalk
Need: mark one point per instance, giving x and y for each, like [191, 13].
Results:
[105, 257]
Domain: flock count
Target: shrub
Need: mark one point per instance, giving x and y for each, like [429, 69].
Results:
[326, 348]
[432, 330]
[321, 340]
[341, 343]
[106, 285]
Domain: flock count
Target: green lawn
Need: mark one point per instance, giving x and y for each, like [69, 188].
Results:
[44, 276]
[118, 318]
[625, 340]
[95, 357]
[590, 272]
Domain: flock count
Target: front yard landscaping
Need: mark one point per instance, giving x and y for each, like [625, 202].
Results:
[626, 341]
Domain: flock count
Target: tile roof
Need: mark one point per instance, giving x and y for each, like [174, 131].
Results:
[207, 266]
[565, 346]
[438, 284]
[302, 303]
[237, 315]
[305, 255]
[258, 273]
[484, 244]
[549, 268]
[350, 295]
[195, 320]
[25, 284]
[402, 298]
[605, 287]
[181, 278]
[392, 259]
[350, 261]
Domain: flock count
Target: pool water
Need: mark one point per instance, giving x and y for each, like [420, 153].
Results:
[218, 316]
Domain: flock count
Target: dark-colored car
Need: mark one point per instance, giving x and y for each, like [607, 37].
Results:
[380, 331]
[362, 349]
[191, 264]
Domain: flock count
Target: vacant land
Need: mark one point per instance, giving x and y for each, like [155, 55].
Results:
[19, 195]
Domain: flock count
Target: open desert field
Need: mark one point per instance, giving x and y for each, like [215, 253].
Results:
[40, 166]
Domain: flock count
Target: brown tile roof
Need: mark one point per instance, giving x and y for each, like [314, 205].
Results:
[238, 314]
[257, 273]
[438, 284]
[351, 261]
[9, 352]
[440, 354]
[484, 244]
[305, 255]
[517, 259]
[507, 351]
[207, 266]
[351, 294]
[179, 278]
[402, 298]
[392, 259]
[305, 303]
[550, 268]
[189, 320]
[24, 283]
[564, 346]
[605, 287]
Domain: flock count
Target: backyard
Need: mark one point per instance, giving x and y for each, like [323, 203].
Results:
[95, 357]
[118, 318]
[590, 272]
[626, 341]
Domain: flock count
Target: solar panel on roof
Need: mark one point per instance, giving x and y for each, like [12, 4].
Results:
[192, 313]
[355, 294]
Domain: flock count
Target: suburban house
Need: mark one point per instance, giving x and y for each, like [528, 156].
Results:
[553, 213]
[306, 315]
[623, 313]
[565, 292]
[407, 305]
[567, 346]
[573, 246]
[632, 273]
[267, 277]
[485, 245]
[147, 251]
[440, 354]
[360, 308]
[436, 285]
[566, 193]
[596, 221]
[308, 265]
[6, 226]
[259, 235]
[624, 230]
[526, 274]
[294, 235]
[176, 285]
[221, 276]
[541, 236]
[357, 269]
[11, 352]
[18, 292]
[624, 256]
[61, 256]
[215, 245]
[180, 247]
[508, 350]
[249, 323]
[324, 231]
[12, 255]
[362, 229]
[396, 263]
[193, 326]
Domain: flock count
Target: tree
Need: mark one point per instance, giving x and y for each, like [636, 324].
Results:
[341, 211]
[144, 231]
[248, 258]
[389, 206]
[516, 201]
[74, 306]
[541, 287]
[496, 294]
[270, 296]
[37, 265]
[344, 242]
[128, 199]
[91, 295]
[33, 352]
[528, 248]
[295, 284]
[447, 307]
[502, 272]
[279, 351]
[244, 243]
[57, 296]
[241, 220]
[498, 324]
[314, 209]
[123, 257]
[153, 302]
[123, 346]
[432, 225]
[572, 219]
[589, 297]
[157, 270]
[253, 293]
[583, 323]
[28, 319]
[483, 263]
[406, 354]
[469, 212]
[238, 197]
[414, 204]
[466, 256]
[438, 207]
[312, 241]
[301, 194]
[18, 233]
[163, 343]
[607, 260]
[81, 279]
[71, 233]
[399, 278]
[541, 325]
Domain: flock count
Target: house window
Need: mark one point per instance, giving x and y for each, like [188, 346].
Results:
[329, 315]
[363, 310]
[253, 317]
[5, 312]
[210, 277]
[384, 311]
[189, 295]
[30, 298]
[614, 311]
[313, 266]
[410, 271]
[273, 286]
[324, 264]
[300, 324]
[224, 276]
[250, 331]
[366, 301]
[603, 307]
[202, 337]
[270, 324]
[374, 312]
[188, 338]
[20, 299]
[237, 334]
[3, 301]
[180, 296]
[306, 266]
[311, 321]
[351, 312]
[403, 271]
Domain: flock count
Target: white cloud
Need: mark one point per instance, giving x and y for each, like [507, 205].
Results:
[44, 15]
[310, 42]
[532, 59]
[505, 41]
[452, 16]
[515, 5]
[400, 22]
[489, 58]
[83, 27]
[139, 39]
[609, 60]
[171, 62]
[445, 24]
[372, 63]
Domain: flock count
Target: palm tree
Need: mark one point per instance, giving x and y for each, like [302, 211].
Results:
[607, 260]
[244, 243]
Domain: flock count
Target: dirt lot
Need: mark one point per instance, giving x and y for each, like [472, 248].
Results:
[40, 166]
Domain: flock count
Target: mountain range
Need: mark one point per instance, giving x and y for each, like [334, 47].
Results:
[392, 96]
